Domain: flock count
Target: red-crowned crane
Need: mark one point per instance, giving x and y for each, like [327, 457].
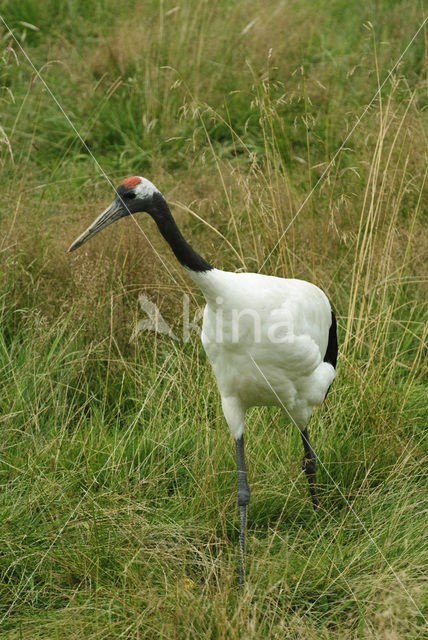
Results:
[270, 341]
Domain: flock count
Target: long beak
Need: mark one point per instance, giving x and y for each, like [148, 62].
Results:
[112, 213]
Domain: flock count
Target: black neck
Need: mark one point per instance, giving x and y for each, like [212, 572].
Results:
[182, 250]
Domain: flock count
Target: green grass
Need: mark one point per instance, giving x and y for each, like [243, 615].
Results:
[117, 483]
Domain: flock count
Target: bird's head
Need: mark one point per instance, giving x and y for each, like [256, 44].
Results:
[134, 194]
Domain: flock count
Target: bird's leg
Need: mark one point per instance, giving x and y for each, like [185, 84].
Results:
[309, 465]
[243, 500]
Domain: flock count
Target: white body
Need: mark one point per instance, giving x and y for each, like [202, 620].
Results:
[266, 338]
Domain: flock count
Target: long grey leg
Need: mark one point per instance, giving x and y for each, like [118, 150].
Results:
[243, 500]
[309, 465]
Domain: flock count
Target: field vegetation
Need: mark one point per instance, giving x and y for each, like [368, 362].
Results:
[117, 474]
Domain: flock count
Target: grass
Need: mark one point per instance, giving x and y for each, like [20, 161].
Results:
[117, 478]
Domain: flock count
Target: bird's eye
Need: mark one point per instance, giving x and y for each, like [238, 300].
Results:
[129, 196]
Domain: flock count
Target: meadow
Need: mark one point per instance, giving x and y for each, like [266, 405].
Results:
[288, 137]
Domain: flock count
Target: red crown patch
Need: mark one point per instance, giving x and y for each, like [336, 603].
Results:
[131, 182]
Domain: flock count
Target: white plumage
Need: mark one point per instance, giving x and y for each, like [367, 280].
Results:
[281, 325]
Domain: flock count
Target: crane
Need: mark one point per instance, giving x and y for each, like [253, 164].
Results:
[271, 341]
